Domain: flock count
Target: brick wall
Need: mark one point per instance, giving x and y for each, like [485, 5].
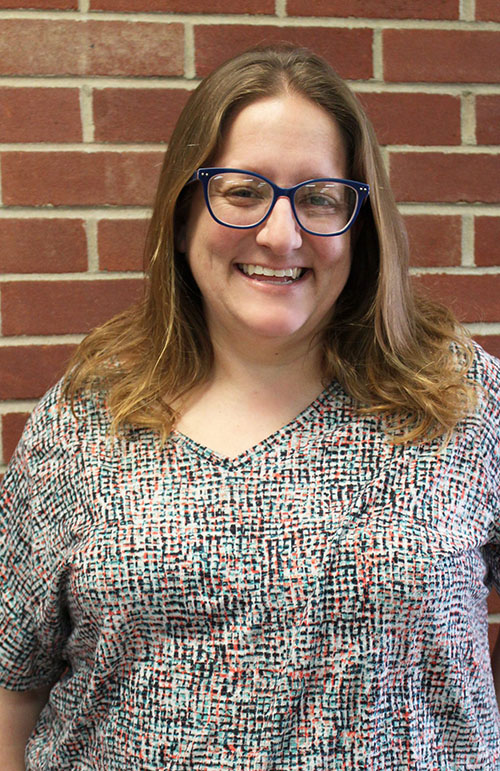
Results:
[90, 90]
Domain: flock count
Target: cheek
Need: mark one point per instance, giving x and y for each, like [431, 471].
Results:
[194, 222]
[213, 247]
[336, 255]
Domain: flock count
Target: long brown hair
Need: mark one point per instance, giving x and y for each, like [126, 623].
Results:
[395, 354]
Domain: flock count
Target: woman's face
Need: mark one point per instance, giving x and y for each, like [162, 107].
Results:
[288, 139]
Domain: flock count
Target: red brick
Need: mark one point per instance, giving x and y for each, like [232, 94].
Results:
[44, 5]
[91, 47]
[79, 178]
[435, 239]
[487, 240]
[385, 9]
[64, 307]
[414, 119]
[493, 602]
[493, 632]
[448, 177]
[12, 428]
[473, 298]
[137, 115]
[348, 50]
[487, 10]
[441, 56]
[42, 245]
[27, 371]
[185, 6]
[57, 112]
[121, 244]
[490, 343]
[488, 119]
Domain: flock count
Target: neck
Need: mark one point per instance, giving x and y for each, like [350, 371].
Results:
[251, 393]
[266, 365]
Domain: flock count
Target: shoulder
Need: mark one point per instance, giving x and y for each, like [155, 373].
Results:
[482, 426]
[49, 470]
[484, 373]
[58, 426]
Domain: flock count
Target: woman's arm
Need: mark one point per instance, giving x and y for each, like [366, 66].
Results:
[19, 711]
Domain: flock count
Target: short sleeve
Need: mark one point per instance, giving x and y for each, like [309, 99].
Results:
[33, 622]
[487, 376]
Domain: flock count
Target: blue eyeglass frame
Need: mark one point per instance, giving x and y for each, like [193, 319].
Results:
[205, 174]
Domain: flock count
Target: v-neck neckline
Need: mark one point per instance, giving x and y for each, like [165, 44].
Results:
[268, 444]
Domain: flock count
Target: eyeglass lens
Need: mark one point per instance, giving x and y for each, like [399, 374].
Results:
[242, 200]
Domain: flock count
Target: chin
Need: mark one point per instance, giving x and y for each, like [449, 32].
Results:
[278, 330]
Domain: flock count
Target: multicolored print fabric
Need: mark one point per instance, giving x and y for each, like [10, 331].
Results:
[317, 603]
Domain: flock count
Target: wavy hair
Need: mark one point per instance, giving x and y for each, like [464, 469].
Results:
[396, 354]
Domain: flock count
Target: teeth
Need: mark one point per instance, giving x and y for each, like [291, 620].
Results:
[259, 270]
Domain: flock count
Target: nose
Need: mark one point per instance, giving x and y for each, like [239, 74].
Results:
[280, 231]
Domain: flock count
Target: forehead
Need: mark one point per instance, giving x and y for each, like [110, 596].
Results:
[288, 131]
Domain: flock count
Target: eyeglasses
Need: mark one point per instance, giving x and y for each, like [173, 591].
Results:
[243, 199]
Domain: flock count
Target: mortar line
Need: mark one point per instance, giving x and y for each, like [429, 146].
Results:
[280, 9]
[468, 119]
[14, 405]
[20, 341]
[63, 212]
[457, 208]
[255, 21]
[189, 51]
[130, 213]
[87, 113]
[378, 57]
[92, 250]
[484, 328]
[91, 149]
[468, 260]
[81, 147]
[446, 149]
[455, 270]
[99, 275]
[76, 81]
[107, 276]
[104, 81]
[102, 147]
[467, 10]
[421, 87]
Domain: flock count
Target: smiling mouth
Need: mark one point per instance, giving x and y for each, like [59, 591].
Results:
[284, 275]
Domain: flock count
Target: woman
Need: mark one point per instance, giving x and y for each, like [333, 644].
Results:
[254, 528]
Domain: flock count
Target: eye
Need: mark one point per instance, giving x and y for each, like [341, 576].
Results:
[324, 198]
[239, 189]
[244, 192]
[316, 199]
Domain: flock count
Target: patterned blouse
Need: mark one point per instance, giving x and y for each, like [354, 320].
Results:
[317, 603]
